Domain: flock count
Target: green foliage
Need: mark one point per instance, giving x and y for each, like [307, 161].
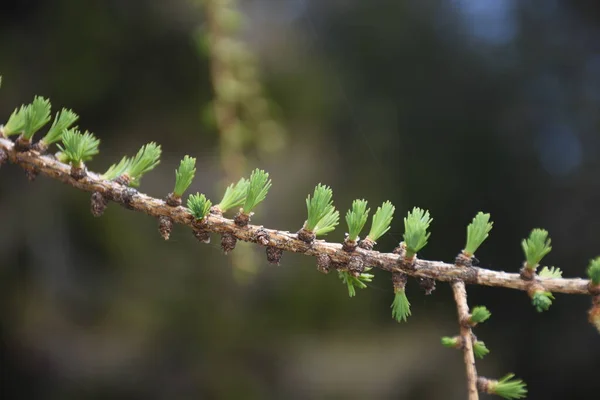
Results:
[551, 272]
[415, 231]
[37, 114]
[259, 185]
[146, 159]
[63, 120]
[381, 221]
[235, 195]
[327, 223]
[319, 206]
[542, 300]
[184, 175]
[479, 349]
[356, 218]
[16, 121]
[480, 314]
[199, 205]
[508, 388]
[400, 306]
[593, 271]
[451, 342]
[77, 147]
[536, 247]
[477, 232]
[116, 170]
[352, 282]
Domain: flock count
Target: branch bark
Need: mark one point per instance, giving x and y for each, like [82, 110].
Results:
[283, 240]
[460, 297]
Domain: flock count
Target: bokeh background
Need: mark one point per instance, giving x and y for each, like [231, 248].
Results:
[453, 105]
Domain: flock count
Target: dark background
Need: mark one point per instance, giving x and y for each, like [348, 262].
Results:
[456, 106]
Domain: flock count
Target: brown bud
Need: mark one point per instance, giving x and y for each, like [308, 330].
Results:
[323, 263]
[274, 255]
[202, 236]
[367, 244]
[356, 265]
[306, 236]
[228, 242]
[165, 225]
[22, 144]
[79, 172]
[173, 200]
[427, 284]
[99, 204]
[262, 237]
[242, 219]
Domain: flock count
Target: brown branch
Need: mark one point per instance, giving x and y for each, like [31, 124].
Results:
[460, 297]
[34, 163]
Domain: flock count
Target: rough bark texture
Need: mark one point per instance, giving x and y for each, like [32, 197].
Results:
[283, 240]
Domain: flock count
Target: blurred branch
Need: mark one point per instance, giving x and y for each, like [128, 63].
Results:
[35, 163]
[460, 297]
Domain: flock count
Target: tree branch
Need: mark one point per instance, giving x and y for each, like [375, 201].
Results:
[35, 163]
[460, 297]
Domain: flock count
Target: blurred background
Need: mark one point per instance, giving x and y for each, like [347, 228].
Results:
[456, 106]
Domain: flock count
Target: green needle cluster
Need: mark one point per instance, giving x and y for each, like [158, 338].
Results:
[479, 349]
[235, 195]
[258, 187]
[382, 220]
[551, 272]
[400, 306]
[37, 114]
[593, 271]
[542, 300]
[536, 247]
[415, 231]
[77, 147]
[146, 159]
[199, 205]
[356, 218]
[477, 232]
[508, 388]
[63, 120]
[184, 175]
[322, 215]
[479, 315]
[352, 282]
[28, 119]
[451, 342]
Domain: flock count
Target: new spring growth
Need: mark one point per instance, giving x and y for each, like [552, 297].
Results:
[184, 175]
[352, 282]
[146, 159]
[63, 120]
[479, 349]
[400, 306]
[506, 387]
[322, 215]
[551, 272]
[131, 170]
[77, 147]
[478, 315]
[199, 205]
[415, 231]
[235, 195]
[593, 271]
[28, 119]
[37, 114]
[381, 222]
[535, 248]
[477, 232]
[258, 187]
[356, 218]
